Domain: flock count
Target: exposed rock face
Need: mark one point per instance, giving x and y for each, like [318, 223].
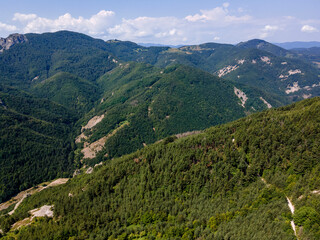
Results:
[241, 95]
[13, 39]
[89, 170]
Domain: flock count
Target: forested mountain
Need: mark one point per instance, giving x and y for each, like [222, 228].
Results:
[68, 90]
[44, 55]
[68, 101]
[144, 104]
[231, 181]
[265, 46]
[297, 44]
[35, 141]
[309, 54]
[140, 103]
[256, 63]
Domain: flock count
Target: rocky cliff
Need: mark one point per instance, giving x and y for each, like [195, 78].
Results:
[13, 39]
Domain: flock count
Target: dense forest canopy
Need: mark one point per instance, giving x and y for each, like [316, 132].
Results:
[229, 181]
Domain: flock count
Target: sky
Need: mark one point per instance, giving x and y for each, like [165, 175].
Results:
[171, 22]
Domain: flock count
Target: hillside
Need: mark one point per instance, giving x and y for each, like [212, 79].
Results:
[44, 55]
[34, 141]
[142, 104]
[256, 63]
[85, 78]
[309, 54]
[76, 85]
[265, 46]
[68, 90]
[297, 44]
[231, 181]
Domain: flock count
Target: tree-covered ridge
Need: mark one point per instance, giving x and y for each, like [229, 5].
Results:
[46, 54]
[309, 54]
[35, 143]
[256, 63]
[68, 90]
[157, 103]
[268, 47]
[208, 186]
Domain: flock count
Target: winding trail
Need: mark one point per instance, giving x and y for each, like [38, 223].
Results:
[290, 205]
[18, 203]
[18, 199]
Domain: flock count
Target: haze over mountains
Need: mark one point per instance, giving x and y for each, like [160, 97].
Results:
[69, 101]
[292, 45]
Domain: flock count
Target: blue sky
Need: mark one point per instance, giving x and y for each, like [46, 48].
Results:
[167, 21]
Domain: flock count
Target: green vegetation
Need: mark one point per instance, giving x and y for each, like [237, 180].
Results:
[204, 186]
[212, 57]
[35, 143]
[46, 54]
[161, 102]
[198, 187]
[308, 54]
[73, 70]
[68, 90]
[265, 46]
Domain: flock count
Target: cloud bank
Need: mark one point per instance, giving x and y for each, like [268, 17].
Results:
[221, 23]
[96, 25]
[6, 27]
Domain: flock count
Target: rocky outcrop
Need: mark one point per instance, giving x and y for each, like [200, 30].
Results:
[13, 39]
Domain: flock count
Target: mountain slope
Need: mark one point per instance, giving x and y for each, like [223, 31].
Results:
[265, 46]
[256, 62]
[68, 90]
[232, 181]
[138, 104]
[34, 141]
[122, 107]
[155, 103]
[44, 55]
[292, 45]
[278, 71]
[309, 54]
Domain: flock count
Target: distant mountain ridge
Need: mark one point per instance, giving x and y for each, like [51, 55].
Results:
[159, 45]
[265, 46]
[297, 44]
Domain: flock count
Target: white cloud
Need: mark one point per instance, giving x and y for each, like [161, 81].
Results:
[270, 28]
[309, 29]
[219, 15]
[6, 27]
[95, 25]
[147, 27]
[24, 17]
